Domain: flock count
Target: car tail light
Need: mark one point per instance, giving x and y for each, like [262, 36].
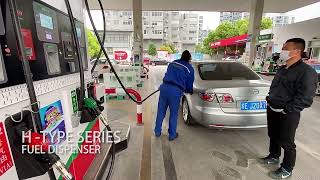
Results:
[225, 98]
[205, 96]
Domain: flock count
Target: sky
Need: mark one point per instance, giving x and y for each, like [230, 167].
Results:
[212, 19]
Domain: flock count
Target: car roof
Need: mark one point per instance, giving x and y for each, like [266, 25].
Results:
[211, 61]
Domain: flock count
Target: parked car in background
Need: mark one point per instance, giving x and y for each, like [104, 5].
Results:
[226, 95]
[146, 61]
[103, 66]
[317, 68]
[156, 62]
[231, 58]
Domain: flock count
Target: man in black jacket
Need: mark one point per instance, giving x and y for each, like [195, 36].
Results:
[292, 89]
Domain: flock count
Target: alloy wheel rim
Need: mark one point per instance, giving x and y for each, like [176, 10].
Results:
[185, 111]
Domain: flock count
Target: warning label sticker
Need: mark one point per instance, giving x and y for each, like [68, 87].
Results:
[5, 156]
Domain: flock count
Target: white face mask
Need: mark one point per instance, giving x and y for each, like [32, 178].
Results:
[284, 55]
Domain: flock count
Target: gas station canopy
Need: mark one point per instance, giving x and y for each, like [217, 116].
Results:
[270, 6]
[230, 41]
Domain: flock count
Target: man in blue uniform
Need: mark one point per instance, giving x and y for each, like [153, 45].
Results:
[178, 79]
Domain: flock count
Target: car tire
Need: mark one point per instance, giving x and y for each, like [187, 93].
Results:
[318, 89]
[186, 115]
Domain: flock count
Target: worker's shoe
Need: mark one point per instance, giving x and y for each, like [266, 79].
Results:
[173, 138]
[157, 134]
[280, 173]
[269, 160]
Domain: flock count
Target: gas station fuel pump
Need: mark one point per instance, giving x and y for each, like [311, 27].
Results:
[43, 52]
[43, 44]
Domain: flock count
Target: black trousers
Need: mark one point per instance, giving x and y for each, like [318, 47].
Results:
[281, 131]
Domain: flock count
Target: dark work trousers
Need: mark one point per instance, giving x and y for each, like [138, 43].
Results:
[281, 131]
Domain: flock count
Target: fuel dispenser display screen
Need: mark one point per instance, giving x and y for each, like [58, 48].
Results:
[78, 32]
[80, 35]
[3, 74]
[46, 21]
[2, 30]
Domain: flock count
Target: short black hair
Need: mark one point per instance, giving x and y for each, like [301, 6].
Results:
[186, 56]
[299, 43]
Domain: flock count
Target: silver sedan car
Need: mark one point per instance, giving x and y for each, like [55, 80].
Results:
[226, 95]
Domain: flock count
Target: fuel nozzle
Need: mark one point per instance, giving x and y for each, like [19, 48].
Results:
[38, 140]
[92, 107]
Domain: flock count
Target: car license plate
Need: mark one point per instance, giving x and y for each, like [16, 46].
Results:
[253, 105]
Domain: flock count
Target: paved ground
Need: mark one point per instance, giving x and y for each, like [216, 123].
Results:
[204, 154]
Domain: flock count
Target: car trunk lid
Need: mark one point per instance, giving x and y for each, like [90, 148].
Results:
[239, 96]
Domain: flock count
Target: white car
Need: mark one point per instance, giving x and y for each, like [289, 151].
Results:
[103, 66]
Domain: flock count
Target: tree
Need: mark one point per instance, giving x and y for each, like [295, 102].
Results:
[199, 48]
[243, 25]
[228, 29]
[168, 47]
[206, 49]
[152, 50]
[266, 23]
[173, 48]
[93, 45]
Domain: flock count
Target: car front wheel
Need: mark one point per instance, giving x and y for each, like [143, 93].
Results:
[186, 116]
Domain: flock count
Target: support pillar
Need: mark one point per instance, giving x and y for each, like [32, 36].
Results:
[256, 12]
[137, 32]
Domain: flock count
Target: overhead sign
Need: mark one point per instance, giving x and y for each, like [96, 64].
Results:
[265, 37]
[120, 55]
[5, 155]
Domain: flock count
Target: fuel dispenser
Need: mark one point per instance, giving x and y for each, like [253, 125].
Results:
[45, 51]
[48, 42]
[46, 70]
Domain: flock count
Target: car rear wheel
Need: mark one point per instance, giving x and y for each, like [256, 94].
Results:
[318, 89]
[186, 116]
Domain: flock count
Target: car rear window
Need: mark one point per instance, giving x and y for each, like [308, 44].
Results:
[316, 67]
[226, 71]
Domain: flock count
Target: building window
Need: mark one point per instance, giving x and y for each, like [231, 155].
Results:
[154, 23]
[175, 28]
[155, 13]
[156, 32]
[175, 13]
[108, 13]
[127, 22]
[146, 23]
[145, 31]
[145, 13]
[192, 32]
[190, 38]
[174, 36]
[127, 13]
[116, 22]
